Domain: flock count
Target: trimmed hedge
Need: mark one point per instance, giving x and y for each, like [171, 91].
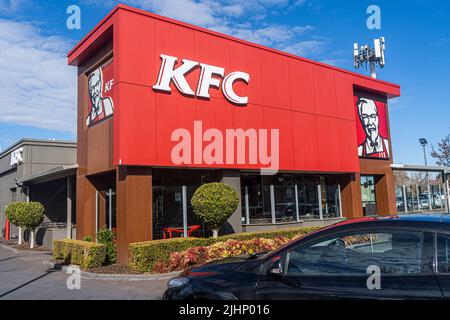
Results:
[143, 256]
[81, 253]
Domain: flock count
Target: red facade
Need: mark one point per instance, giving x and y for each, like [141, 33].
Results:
[310, 103]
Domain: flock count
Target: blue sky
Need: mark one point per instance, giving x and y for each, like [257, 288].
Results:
[38, 92]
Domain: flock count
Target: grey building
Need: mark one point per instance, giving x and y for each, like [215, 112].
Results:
[44, 171]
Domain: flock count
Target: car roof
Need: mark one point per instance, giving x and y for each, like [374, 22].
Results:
[413, 217]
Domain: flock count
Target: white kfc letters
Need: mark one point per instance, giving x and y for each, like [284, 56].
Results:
[210, 76]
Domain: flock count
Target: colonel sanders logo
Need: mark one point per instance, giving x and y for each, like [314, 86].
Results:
[102, 107]
[374, 144]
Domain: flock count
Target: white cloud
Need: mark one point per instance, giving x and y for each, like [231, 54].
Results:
[306, 48]
[37, 87]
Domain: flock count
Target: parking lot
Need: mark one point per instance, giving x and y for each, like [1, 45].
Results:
[23, 275]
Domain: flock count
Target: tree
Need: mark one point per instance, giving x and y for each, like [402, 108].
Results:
[29, 215]
[442, 154]
[214, 203]
[12, 217]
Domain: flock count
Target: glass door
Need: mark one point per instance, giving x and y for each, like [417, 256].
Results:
[368, 198]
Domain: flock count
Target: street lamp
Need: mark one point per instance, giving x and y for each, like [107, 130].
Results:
[424, 143]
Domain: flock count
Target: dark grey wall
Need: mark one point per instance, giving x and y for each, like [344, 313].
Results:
[38, 155]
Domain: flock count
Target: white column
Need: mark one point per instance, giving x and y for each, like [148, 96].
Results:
[110, 208]
[418, 198]
[405, 199]
[319, 198]
[185, 226]
[340, 201]
[69, 210]
[297, 211]
[447, 194]
[272, 203]
[429, 197]
[96, 214]
[247, 207]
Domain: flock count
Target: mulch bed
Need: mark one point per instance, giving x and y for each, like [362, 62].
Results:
[113, 269]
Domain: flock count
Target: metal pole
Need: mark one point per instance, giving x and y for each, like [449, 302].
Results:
[319, 198]
[69, 210]
[417, 196]
[297, 212]
[340, 201]
[247, 208]
[96, 214]
[373, 71]
[447, 194]
[110, 209]
[272, 203]
[405, 200]
[184, 197]
[429, 197]
[440, 197]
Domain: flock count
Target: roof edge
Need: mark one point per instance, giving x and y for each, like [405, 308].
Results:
[121, 6]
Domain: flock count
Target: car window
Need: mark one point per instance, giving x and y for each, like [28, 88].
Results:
[443, 252]
[394, 252]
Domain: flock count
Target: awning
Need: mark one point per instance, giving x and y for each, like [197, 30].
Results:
[55, 173]
[415, 167]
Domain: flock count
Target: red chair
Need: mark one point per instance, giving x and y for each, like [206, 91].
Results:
[171, 230]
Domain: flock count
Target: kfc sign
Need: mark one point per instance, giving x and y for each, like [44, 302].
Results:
[372, 130]
[16, 157]
[210, 76]
[100, 86]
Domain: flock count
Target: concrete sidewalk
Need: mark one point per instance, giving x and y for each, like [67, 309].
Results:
[26, 274]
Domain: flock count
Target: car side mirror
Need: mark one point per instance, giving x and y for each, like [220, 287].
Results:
[276, 267]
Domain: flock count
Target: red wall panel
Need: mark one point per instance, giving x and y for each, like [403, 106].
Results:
[311, 104]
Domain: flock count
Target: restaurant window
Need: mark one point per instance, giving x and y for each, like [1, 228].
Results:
[173, 215]
[288, 198]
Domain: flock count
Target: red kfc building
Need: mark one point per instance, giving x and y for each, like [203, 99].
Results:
[165, 106]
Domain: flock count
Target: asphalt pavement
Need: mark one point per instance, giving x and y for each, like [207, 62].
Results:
[24, 275]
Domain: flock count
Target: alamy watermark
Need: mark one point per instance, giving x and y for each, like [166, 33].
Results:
[374, 20]
[254, 147]
[74, 280]
[374, 280]
[73, 21]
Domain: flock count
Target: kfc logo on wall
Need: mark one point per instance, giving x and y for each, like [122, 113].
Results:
[210, 76]
[372, 131]
[100, 83]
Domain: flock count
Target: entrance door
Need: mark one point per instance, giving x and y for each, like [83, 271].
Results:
[368, 200]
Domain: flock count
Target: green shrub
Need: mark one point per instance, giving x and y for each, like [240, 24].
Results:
[29, 214]
[144, 256]
[108, 238]
[87, 238]
[81, 253]
[214, 203]
[11, 213]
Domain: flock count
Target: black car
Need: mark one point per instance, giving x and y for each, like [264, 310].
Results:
[396, 257]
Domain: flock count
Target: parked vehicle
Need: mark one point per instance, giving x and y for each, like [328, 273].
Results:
[407, 255]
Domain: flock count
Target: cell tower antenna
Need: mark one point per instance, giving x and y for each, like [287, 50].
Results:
[365, 55]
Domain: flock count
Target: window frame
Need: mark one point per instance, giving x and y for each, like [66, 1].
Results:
[373, 229]
[435, 251]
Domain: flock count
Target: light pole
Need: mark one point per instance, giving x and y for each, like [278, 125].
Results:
[423, 143]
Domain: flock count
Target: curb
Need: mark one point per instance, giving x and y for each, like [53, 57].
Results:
[115, 277]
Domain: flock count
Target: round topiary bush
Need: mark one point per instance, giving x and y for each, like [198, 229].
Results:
[214, 203]
[29, 215]
[11, 213]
